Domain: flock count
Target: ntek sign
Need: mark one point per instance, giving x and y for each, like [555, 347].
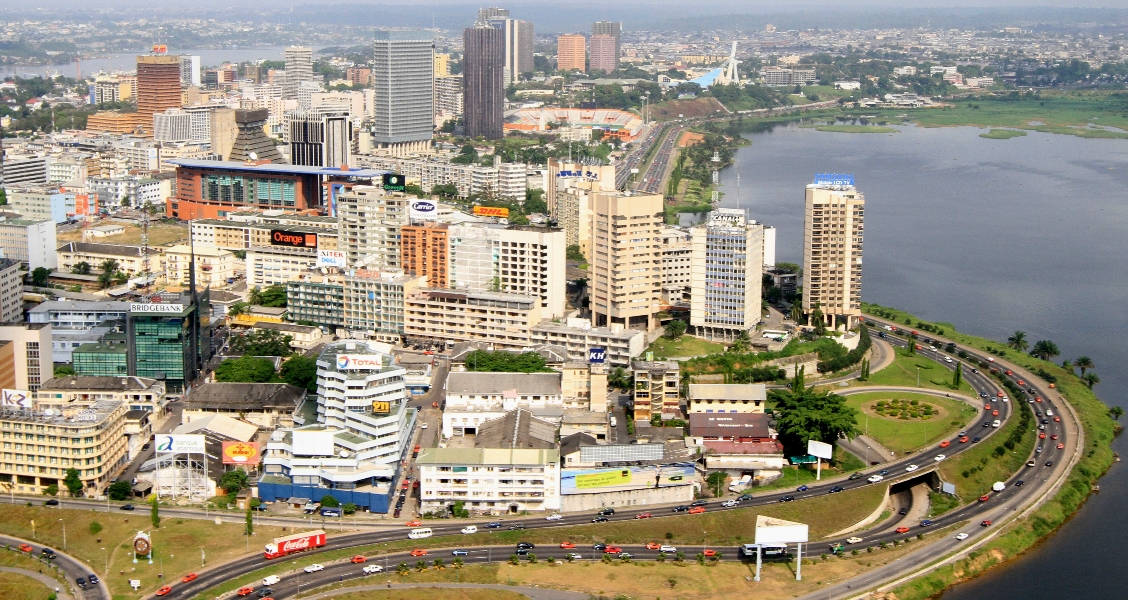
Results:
[597, 355]
[834, 179]
[588, 174]
[294, 239]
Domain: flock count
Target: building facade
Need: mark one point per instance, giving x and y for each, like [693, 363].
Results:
[626, 262]
[726, 274]
[483, 78]
[571, 52]
[320, 138]
[833, 229]
[656, 389]
[425, 250]
[448, 316]
[489, 480]
[30, 242]
[403, 79]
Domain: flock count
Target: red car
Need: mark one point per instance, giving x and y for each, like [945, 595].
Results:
[188, 577]
[1060, 446]
[1000, 394]
[964, 439]
[987, 406]
[945, 443]
[414, 523]
[1021, 383]
[1041, 435]
[164, 590]
[985, 522]
[902, 530]
[612, 550]
[644, 515]
[419, 552]
[1054, 436]
[984, 498]
[1057, 419]
[994, 413]
[245, 591]
[25, 548]
[696, 510]
[359, 559]
[567, 546]
[709, 552]
[653, 546]
[1037, 398]
[1009, 372]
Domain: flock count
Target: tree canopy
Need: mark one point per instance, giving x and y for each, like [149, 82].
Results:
[300, 371]
[233, 481]
[506, 362]
[803, 413]
[262, 342]
[246, 369]
[273, 296]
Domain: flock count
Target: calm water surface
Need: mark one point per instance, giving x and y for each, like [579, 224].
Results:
[992, 236]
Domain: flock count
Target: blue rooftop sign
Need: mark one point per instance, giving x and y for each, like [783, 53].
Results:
[834, 179]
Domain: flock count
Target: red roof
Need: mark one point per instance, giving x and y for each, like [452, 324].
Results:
[772, 447]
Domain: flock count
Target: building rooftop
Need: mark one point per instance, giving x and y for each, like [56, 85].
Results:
[728, 391]
[110, 249]
[517, 429]
[81, 306]
[101, 383]
[244, 396]
[221, 425]
[488, 456]
[286, 327]
[725, 425]
[486, 384]
[228, 165]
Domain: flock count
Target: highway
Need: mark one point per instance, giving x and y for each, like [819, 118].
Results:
[71, 567]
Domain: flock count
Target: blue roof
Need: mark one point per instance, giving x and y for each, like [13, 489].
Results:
[707, 79]
[231, 165]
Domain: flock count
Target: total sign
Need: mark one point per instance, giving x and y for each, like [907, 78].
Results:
[354, 362]
[597, 355]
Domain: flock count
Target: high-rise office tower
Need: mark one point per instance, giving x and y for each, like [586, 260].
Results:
[833, 226]
[320, 138]
[571, 52]
[613, 29]
[604, 56]
[626, 265]
[403, 82]
[190, 70]
[483, 73]
[518, 36]
[726, 263]
[158, 87]
[299, 68]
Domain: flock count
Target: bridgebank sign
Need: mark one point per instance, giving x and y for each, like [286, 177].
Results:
[353, 362]
[153, 307]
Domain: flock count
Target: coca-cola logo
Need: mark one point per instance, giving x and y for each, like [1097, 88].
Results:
[299, 544]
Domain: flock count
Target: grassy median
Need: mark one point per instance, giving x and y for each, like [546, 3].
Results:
[909, 433]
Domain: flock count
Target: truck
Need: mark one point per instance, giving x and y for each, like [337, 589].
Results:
[740, 484]
[296, 542]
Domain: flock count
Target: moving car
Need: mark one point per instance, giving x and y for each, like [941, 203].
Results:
[1061, 446]
[787, 498]
[127, 507]
[25, 548]
[729, 503]
[185, 579]
[696, 510]
[52, 502]
[682, 508]
[985, 523]
[961, 536]
[418, 552]
[459, 552]
[516, 527]
[853, 540]
[567, 545]
[356, 560]
[370, 569]
[165, 589]
[574, 555]
[709, 552]
[855, 475]
[984, 498]
[945, 443]
[93, 579]
[471, 529]
[554, 517]
[414, 523]
[833, 490]
[315, 567]
[874, 478]
[653, 546]
[902, 529]
[600, 519]
[598, 546]
[668, 549]
[245, 591]
[612, 550]
[939, 457]
[493, 525]
[926, 522]
[526, 545]
[911, 468]
[802, 488]
[644, 515]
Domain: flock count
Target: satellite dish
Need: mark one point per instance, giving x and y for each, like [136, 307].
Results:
[253, 155]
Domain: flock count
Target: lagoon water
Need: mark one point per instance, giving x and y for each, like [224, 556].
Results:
[128, 61]
[993, 236]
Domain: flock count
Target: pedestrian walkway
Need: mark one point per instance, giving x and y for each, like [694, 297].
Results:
[51, 583]
[532, 592]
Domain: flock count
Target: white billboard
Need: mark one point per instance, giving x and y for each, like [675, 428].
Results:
[777, 532]
[820, 449]
[170, 443]
[15, 398]
[330, 258]
[354, 362]
[423, 209]
[313, 443]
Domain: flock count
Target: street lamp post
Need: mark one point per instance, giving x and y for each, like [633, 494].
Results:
[107, 555]
[64, 534]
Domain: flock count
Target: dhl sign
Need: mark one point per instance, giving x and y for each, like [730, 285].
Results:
[492, 211]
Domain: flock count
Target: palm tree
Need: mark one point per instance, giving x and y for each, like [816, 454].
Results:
[1084, 363]
[1018, 341]
[1044, 349]
[1091, 379]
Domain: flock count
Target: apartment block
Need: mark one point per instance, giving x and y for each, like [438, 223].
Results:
[474, 398]
[726, 274]
[425, 250]
[374, 302]
[31, 242]
[370, 220]
[833, 228]
[626, 261]
[514, 259]
[578, 337]
[656, 389]
[571, 52]
[11, 291]
[439, 315]
[491, 481]
[569, 186]
[726, 398]
[317, 299]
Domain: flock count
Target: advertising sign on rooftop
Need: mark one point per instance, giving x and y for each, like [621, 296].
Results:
[394, 182]
[331, 258]
[492, 211]
[422, 209]
[240, 453]
[843, 179]
[155, 307]
[294, 239]
[15, 398]
[167, 443]
[353, 362]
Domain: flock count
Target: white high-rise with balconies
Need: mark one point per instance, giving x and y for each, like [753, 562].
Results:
[833, 227]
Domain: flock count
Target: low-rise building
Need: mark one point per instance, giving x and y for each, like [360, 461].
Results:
[472, 398]
[438, 315]
[656, 389]
[619, 344]
[214, 266]
[266, 405]
[726, 398]
[30, 241]
[316, 299]
[130, 259]
[740, 443]
[303, 337]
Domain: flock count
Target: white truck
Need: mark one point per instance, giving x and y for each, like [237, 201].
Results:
[739, 484]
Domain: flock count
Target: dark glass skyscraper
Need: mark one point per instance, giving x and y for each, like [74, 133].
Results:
[483, 81]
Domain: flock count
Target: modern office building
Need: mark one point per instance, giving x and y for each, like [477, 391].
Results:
[571, 52]
[370, 219]
[299, 71]
[354, 439]
[516, 259]
[833, 228]
[320, 138]
[403, 80]
[317, 299]
[74, 322]
[442, 65]
[603, 53]
[425, 250]
[158, 88]
[517, 37]
[656, 389]
[31, 242]
[613, 29]
[32, 358]
[438, 316]
[726, 274]
[483, 79]
[169, 341]
[626, 261]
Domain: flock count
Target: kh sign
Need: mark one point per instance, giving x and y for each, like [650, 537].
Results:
[294, 239]
[597, 355]
[834, 179]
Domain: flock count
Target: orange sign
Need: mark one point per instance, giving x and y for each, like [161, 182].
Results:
[84, 205]
[492, 211]
[240, 453]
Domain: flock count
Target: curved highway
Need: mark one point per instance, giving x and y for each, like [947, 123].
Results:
[71, 567]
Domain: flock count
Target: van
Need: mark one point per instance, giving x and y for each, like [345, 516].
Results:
[271, 579]
[420, 533]
[309, 508]
[330, 512]
[614, 422]
[1049, 412]
[996, 423]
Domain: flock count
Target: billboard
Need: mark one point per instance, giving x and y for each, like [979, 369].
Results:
[294, 239]
[381, 407]
[155, 307]
[353, 362]
[423, 209]
[595, 480]
[597, 355]
[312, 443]
[777, 532]
[393, 182]
[603, 479]
[169, 443]
[240, 453]
[15, 398]
[834, 179]
[331, 258]
[492, 211]
[820, 449]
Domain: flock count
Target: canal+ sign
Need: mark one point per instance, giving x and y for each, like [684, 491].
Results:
[843, 179]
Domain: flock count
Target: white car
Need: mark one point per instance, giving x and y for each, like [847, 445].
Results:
[853, 540]
[874, 478]
[423, 426]
[948, 359]
[939, 457]
[315, 567]
[911, 468]
[370, 569]
[575, 555]
[961, 536]
[469, 529]
[668, 549]
[730, 503]
[554, 517]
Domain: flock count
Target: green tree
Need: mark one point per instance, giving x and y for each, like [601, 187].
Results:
[957, 375]
[716, 481]
[574, 253]
[300, 371]
[818, 320]
[73, 483]
[1115, 412]
[82, 268]
[246, 369]
[237, 308]
[3, 197]
[39, 276]
[804, 414]
[52, 490]
[796, 313]
[1084, 363]
[119, 490]
[1091, 379]
[675, 329]
[328, 501]
[912, 343]
[155, 512]
[249, 524]
[1044, 349]
[534, 202]
[233, 481]
[63, 370]
[1017, 340]
[349, 508]
[109, 269]
[506, 362]
[262, 342]
[273, 296]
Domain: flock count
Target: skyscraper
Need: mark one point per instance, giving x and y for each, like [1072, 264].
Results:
[726, 261]
[604, 56]
[571, 52]
[833, 226]
[483, 81]
[190, 70]
[299, 68]
[158, 87]
[403, 81]
[613, 29]
[320, 138]
[626, 265]
[518, 36]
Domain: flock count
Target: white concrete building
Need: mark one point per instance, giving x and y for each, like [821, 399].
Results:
[578, 337]
[476, 397]
[489, 480]
[523, 260]
[30, 242]
[726, 281]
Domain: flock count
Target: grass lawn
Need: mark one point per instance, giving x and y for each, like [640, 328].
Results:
[855, 129]
[910, 435]
[14, 586]
[939, 503]
[795, 476]
[431, 594]
[1002, 134]
[685, 346]
[903, 372]
[177, 542]
[994, 468]
[160, 234]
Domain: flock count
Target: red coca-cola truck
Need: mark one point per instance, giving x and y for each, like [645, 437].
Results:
[297, 542]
